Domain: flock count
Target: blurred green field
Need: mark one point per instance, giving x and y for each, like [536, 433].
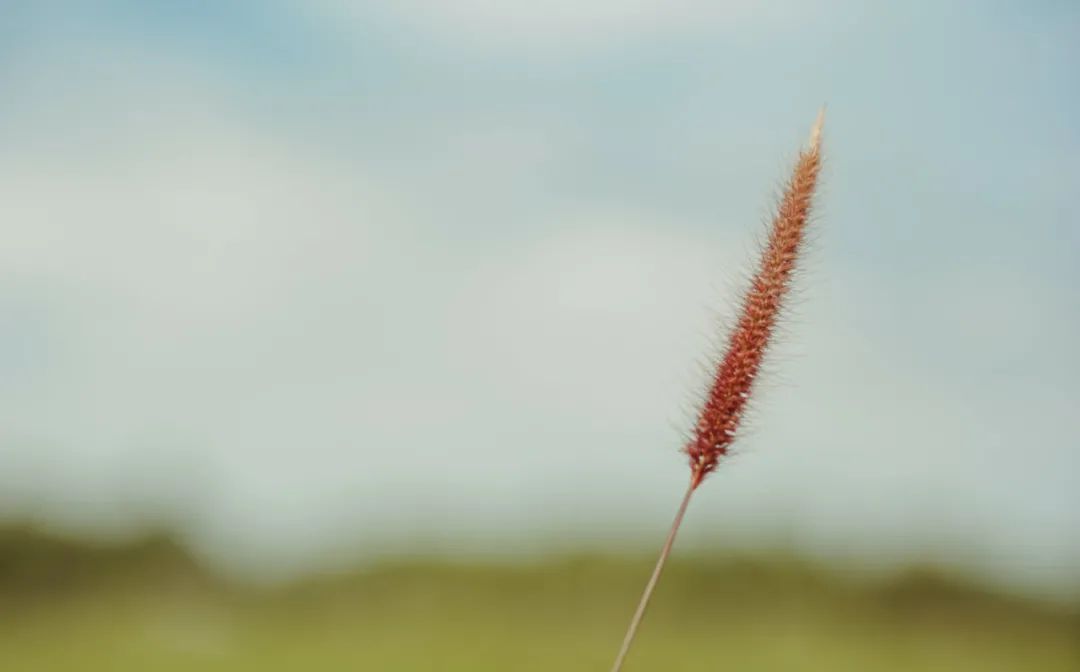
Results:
[68, 606]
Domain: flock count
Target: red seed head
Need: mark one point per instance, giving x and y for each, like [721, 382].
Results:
[735, 373]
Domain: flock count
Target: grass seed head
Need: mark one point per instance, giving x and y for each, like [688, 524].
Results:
[733, 379]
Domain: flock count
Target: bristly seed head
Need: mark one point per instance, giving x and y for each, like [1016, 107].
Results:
[735, 373]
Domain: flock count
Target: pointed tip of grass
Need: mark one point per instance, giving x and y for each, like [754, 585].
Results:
[815, 132]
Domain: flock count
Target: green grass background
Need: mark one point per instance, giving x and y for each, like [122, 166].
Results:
[67, 606]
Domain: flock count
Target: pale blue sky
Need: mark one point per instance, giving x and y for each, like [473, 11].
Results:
[312, 276]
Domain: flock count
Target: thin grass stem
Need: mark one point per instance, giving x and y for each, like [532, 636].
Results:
[639, 613]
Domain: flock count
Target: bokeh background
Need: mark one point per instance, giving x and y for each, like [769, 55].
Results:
[366, 334]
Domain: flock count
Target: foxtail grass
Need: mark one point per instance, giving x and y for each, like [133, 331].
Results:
[737, 370]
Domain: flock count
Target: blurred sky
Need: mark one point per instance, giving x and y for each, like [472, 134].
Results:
[309, 278]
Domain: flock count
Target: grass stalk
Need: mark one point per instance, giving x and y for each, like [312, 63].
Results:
[639, 613]
[736, 372]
